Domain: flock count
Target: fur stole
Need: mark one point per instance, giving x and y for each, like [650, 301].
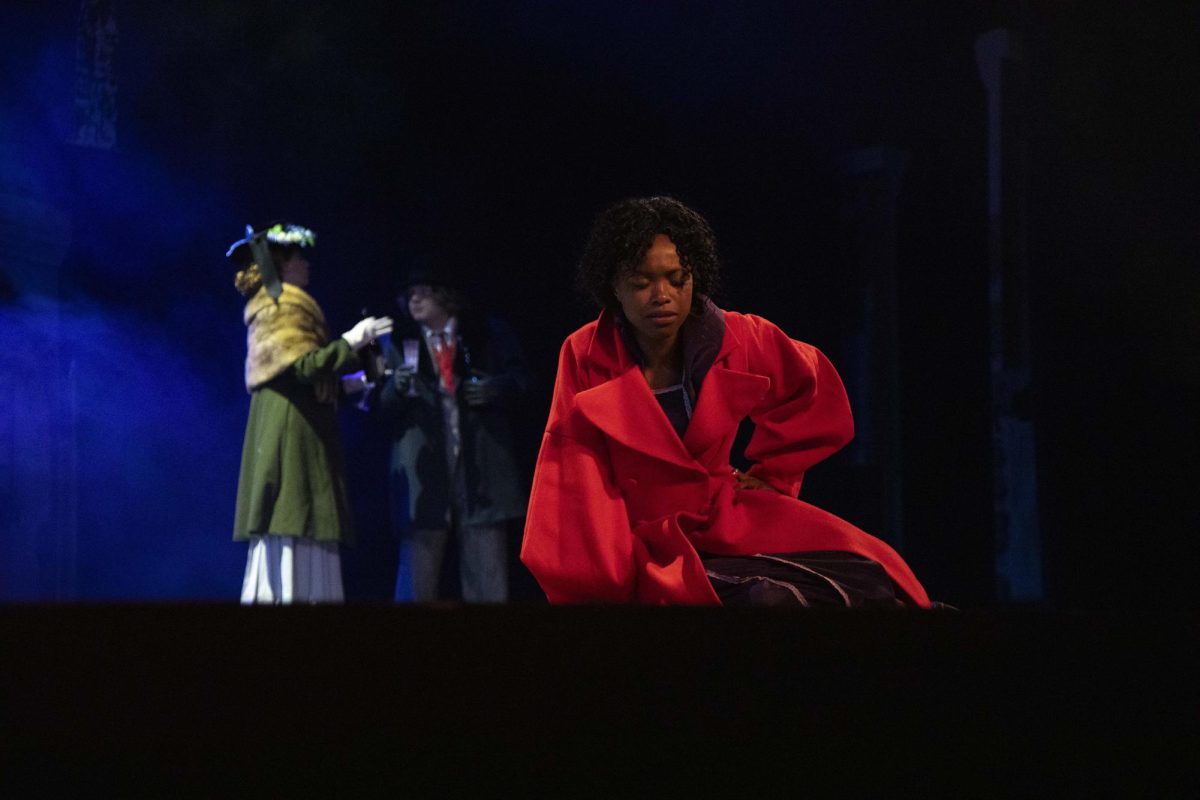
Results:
[280, 331]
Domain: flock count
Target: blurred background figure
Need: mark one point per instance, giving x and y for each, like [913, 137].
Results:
[291, 501]
[456, 375]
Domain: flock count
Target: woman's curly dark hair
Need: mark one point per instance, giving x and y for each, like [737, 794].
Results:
[622, 234]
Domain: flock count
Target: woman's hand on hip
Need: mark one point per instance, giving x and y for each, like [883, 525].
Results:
[745, 481]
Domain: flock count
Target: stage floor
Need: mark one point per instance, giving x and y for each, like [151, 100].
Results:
[156, 699]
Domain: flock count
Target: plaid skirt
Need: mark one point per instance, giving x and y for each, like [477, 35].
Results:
[811, 579]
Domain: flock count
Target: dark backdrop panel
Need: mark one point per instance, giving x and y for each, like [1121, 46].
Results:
[492, 133]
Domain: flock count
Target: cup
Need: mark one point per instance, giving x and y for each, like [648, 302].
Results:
[411, 354]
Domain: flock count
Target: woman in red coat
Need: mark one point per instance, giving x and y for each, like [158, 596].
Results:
[634, 498]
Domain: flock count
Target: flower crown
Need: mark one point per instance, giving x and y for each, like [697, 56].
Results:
[283, 234]
[289, 235]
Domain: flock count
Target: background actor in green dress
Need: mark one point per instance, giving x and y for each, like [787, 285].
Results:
[291, 502]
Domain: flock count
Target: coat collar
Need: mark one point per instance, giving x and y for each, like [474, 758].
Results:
[625, 409]
[622, 405]
[607, 356]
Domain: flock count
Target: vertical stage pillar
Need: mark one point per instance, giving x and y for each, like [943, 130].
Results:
[38, 439]
[1018, 549]
[96, 76]
[870, 183]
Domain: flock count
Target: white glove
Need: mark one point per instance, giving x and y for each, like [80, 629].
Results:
[366, 331]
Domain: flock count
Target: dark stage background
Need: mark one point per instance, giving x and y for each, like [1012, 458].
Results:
[490, 134]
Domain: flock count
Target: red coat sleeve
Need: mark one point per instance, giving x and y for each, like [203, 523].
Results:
[577, 542]
[805, 415]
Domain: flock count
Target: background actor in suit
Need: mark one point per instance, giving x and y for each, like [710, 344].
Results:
[456, 375]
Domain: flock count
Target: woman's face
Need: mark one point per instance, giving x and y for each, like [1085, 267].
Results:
[295, 270]
[656, 296]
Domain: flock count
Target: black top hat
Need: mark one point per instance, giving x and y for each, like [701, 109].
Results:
[425, 269]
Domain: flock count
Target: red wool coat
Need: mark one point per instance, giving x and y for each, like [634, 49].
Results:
[620, 504]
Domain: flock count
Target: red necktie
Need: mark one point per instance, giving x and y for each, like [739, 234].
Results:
[445, 359]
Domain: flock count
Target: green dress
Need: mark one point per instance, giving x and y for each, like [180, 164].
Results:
[292, 479]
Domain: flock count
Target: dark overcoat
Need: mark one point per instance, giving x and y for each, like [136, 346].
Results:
[419, 475]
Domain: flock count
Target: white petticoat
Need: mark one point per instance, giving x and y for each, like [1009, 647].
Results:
[292, 569]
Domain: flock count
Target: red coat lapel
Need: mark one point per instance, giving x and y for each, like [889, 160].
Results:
[625, 409]
[621, 403]
[726, 397]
